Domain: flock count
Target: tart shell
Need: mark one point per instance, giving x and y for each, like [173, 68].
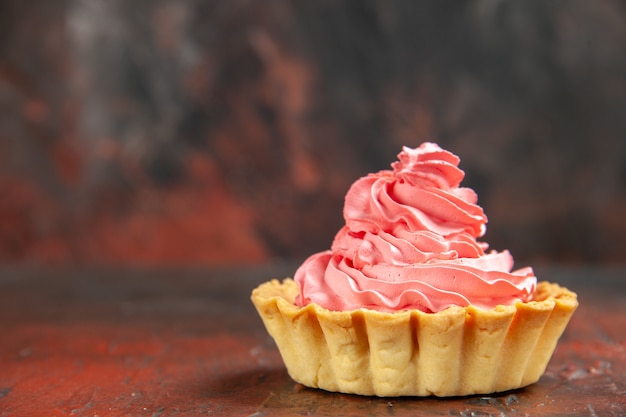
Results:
[457, 351]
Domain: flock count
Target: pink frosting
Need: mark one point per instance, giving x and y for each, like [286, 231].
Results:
[409, 242]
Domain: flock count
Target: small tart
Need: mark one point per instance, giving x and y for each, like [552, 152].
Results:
[457, 351]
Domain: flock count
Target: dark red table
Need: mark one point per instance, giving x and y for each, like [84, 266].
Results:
[189, 343]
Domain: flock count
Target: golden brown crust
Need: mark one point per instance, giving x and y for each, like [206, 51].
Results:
[458, 351]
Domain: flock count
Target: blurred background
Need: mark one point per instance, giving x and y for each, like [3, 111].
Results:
[225, 132]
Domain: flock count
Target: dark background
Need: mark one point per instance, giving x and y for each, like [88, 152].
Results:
[219, 132]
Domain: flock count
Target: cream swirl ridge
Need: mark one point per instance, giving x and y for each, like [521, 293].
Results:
[410, 243]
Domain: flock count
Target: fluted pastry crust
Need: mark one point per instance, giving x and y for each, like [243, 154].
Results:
[457, 351]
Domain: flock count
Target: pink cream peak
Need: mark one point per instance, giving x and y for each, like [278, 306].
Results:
[409, 242]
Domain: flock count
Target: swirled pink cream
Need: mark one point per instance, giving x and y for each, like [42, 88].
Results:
[409, 242]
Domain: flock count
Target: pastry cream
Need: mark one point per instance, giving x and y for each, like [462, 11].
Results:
[410, 242]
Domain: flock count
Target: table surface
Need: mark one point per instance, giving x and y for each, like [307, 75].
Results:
[111, 342]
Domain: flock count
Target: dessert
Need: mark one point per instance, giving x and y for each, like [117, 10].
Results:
[407, 301]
